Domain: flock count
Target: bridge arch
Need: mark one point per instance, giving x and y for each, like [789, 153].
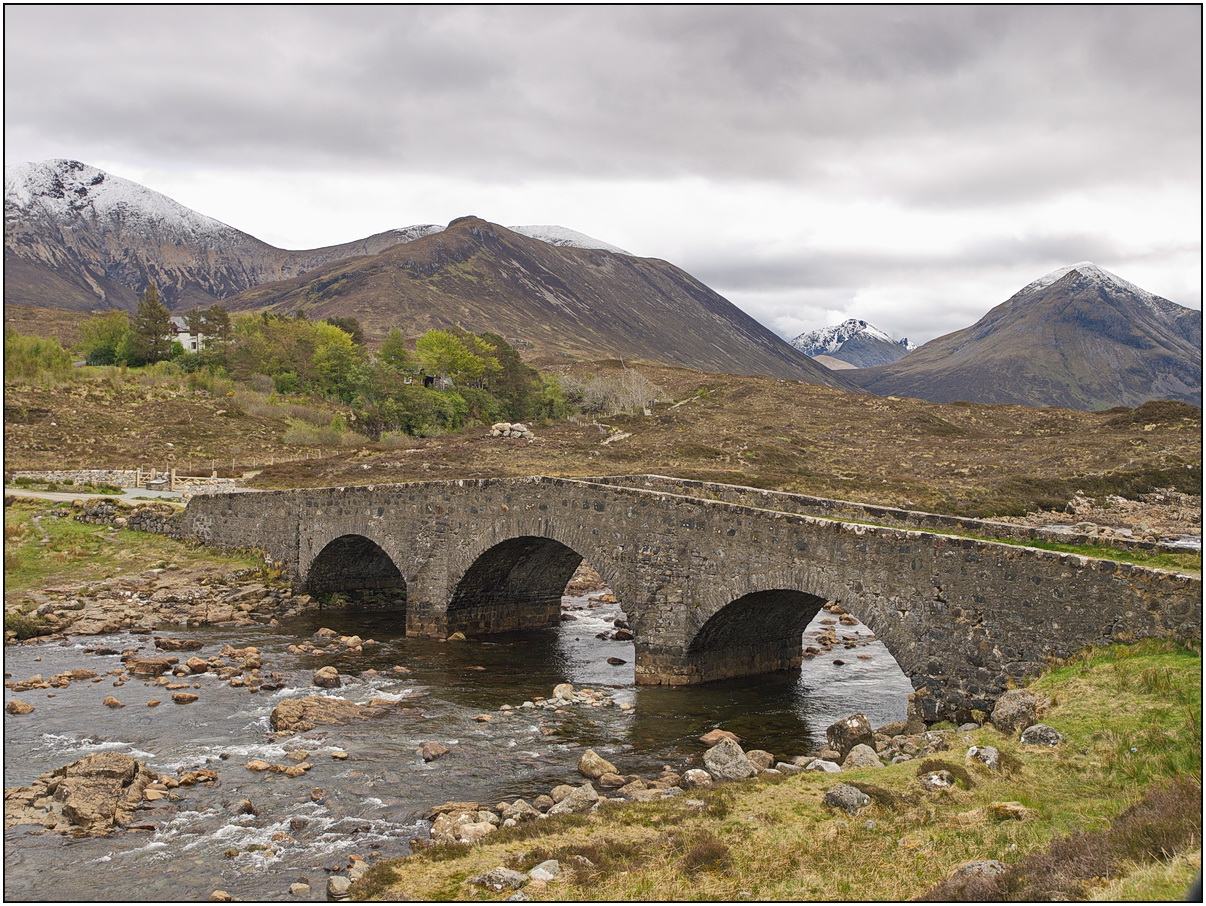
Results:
[354, 562]
[754, 623]
[759, 632]
[516, 580]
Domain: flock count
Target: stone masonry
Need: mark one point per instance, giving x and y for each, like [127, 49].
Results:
[711, 588]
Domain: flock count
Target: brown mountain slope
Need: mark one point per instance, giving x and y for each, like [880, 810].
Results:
[1080, 337]
[585, 303]
[77, 237]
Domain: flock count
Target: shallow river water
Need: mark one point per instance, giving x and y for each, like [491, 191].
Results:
[371, 804]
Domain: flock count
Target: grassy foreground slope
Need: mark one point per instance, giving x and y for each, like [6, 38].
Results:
[1112, 812]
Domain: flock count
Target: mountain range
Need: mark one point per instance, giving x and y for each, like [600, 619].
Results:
[79, 238]
[854, 342]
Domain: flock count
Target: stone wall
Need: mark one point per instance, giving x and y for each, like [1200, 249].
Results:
[715, 588]
[156, 518]
[122, 478]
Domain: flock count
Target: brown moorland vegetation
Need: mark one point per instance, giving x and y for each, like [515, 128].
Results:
[959, 458]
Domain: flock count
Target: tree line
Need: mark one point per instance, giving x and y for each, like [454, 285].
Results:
[445, 380]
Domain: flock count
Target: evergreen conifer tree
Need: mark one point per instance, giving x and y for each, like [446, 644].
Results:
[151, 328]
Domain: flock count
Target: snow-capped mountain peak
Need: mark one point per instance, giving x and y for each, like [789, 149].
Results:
[66, 190]
[829, 340]
[1100, 276]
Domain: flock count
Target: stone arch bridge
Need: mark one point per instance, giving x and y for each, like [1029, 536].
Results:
[716, 581]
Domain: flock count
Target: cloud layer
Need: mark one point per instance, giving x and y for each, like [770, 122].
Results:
[909, 165]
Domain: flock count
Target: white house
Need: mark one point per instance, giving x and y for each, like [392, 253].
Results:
[181, 335]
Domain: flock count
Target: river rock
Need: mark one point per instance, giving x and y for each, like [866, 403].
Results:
[712, 737]
[848, 798]
[150, 667]
[861, 756]
[543, 802]
[582, 799]
[594, 766]
[1014, 710]
[762, 760]
[111, 702]
[697, 779]
[430, 751]
[848, 733]
[19, 707]
[338, 887]
[1041, 735]
[726, 761]
[563, 690]
[98, 793]
[169, 644]
[326, 678]
[784, 768]
[560, 791]
[297, 715]
[520, 811]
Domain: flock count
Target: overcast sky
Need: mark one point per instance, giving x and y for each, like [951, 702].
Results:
[911, 166]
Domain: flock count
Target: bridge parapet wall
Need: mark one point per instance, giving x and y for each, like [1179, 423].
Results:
[828, 508]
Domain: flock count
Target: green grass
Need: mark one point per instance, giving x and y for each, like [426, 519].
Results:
[43, 549]
[1102, 819]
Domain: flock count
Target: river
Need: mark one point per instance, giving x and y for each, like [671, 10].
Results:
[371, 803]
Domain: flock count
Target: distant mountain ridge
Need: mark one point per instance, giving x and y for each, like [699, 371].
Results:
[1079, 337]
[80, 238]
[562, 300]
[854, 342]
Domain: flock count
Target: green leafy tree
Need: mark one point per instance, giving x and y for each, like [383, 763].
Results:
[103, 337]
[463, 358]
[393, 353]
[350, 326]
[151, 328]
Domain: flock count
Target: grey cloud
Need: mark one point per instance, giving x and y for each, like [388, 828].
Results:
[771, 92]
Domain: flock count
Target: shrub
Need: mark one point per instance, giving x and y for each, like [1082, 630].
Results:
[32, 358]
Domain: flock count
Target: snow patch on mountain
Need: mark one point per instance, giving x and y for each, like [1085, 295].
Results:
[550, 233]
[829, 340]
[1100, 276]
[67, 190]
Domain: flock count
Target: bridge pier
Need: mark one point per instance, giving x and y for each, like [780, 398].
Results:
[670, 668]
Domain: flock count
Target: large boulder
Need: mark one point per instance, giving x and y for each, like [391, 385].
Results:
[296, 715]
[850, 732]
[594, 766]
[726, 761]
[1015, 710]
[582, 799]
[98, 793]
